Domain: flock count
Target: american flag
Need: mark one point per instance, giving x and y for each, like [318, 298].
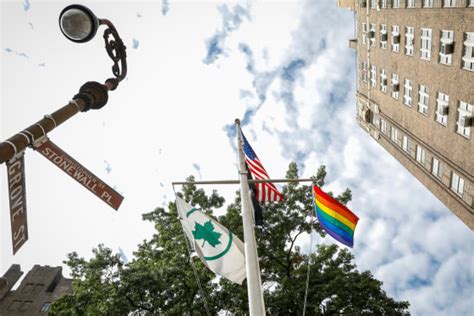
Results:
[266, 191]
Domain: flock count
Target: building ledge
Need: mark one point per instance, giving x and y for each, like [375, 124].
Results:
[347, 4]
[353, 43]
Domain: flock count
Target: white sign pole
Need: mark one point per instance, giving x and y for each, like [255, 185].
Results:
[254, 282]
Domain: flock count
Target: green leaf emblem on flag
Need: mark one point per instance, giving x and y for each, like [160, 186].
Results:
[207, 233]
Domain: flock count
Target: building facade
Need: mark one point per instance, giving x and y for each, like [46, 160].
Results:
[40, 287]
[415, 90]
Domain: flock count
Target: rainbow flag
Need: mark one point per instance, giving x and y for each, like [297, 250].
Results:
[336, 219]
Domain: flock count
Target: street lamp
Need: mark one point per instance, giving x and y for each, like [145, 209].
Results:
[79, 24]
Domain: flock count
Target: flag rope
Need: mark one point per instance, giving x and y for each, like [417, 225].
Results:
[196, 276]
[309, 263]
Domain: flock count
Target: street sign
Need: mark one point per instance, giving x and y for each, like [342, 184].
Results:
[79, 173]
[17, 197]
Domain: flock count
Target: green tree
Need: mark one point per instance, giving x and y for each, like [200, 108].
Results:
[160, 278]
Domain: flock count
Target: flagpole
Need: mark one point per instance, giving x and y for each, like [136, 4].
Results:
[254, 283]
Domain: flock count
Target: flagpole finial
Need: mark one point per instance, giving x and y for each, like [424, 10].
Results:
[237, 121]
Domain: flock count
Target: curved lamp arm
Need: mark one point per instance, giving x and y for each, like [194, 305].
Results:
[116, 51]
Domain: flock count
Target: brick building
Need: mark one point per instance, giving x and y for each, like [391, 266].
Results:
[415, 90]
[40, 287]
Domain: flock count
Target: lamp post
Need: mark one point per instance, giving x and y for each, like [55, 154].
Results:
[79, 24]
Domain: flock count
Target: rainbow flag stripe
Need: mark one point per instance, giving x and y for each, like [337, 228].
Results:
[336, 219]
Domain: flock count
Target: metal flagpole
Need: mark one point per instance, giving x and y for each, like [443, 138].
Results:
[254, 283]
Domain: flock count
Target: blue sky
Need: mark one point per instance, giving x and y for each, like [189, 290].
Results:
[283, 67]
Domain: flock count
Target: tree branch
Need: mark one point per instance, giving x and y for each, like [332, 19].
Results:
[139, 306]
[288, 256]
[270, 255]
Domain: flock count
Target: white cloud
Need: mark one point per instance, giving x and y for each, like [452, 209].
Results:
[231, 21]
[450, 289]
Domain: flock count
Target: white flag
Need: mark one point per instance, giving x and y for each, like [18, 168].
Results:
[220, 250]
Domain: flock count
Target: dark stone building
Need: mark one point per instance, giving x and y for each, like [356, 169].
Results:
[40, 287]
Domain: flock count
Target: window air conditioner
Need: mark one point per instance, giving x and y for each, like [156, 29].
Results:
[395, 87]
[396, 39]
[363, 3]
[371, 34]
[443, 110]
[383, 37]
[465, 121]
[447, 48]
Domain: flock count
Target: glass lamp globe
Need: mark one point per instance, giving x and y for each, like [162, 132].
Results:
[78, 23]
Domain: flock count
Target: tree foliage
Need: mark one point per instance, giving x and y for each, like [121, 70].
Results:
[160, 278]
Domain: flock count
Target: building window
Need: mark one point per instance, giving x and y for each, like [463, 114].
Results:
[446, 48]
[436, 168]
[425, 44]
[383, 81]
[409, 39]
[420, 154]
[406, 143]
[14, 306]
[45, 307]
[396, 4]
[373, 4]
[423, 96]
[394, 135]
[360, 109]
[410, 3]
[449, 3]
[442, 106]
[383, 126]
[374, 119]
[468, 56]
[26, 306]
[372, 34]
[408, 93]
[470, 3]
[465, 119]
[28, 287]
[373, 75]
[395, 38]
[457, 184]
[383, 36]
[427, 3]
[38, 288]
[364, 72]
[384, 4]
[364, 33]
[395, 86]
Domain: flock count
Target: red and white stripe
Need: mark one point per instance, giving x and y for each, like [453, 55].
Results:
[266, 191]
